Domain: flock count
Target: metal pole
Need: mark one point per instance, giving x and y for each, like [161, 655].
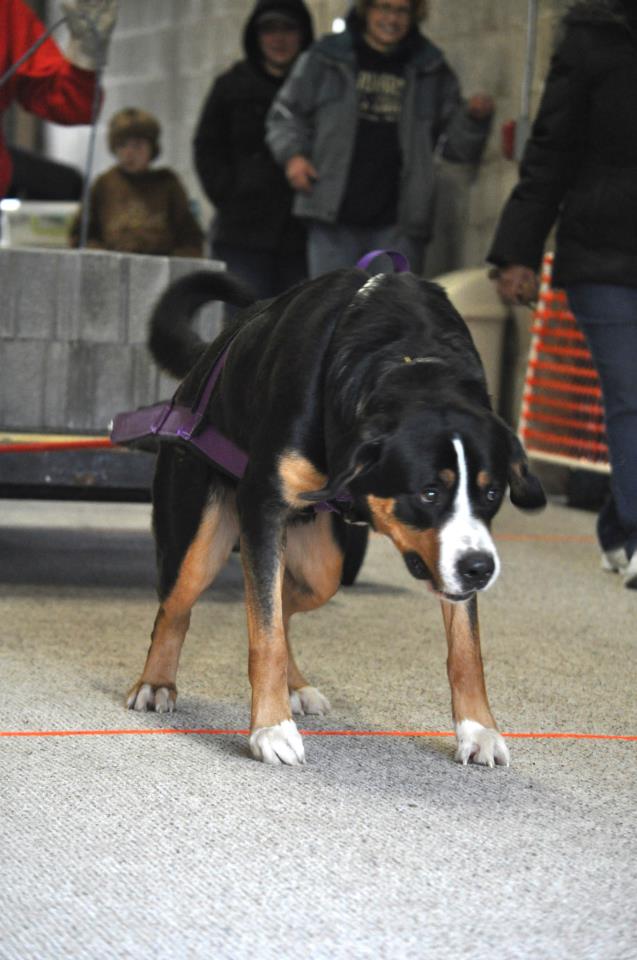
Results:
[86, 187]
[524, 121]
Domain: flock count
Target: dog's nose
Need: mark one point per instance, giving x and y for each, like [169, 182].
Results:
[475, 569]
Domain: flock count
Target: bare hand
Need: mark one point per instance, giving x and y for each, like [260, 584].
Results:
[480, 106]
[517, 284]
[301, 173]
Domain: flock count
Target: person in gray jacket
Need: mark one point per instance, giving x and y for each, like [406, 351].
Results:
[357, 126]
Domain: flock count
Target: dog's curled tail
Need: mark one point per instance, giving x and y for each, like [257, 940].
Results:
[175, 346]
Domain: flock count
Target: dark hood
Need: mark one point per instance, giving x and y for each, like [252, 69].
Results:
[294, 8]
[621, 12]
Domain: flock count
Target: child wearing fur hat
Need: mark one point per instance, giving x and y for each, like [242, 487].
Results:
[134, 208]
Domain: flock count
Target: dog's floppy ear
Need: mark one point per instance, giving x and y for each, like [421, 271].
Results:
[525, 489]
[364, 457]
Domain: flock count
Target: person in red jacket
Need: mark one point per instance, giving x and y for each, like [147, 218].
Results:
[48, 83]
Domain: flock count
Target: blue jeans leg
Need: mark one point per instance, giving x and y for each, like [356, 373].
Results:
[608, 317]
[332, 246]
[268, 272]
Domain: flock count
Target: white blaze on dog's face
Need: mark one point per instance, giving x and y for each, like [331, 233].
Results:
[468, 559]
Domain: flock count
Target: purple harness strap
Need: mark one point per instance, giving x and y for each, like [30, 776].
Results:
[174, 421]
[399, 261]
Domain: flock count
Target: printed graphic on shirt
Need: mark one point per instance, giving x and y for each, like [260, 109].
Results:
[379, 96]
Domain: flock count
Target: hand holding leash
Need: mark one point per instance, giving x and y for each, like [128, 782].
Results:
[516, 284]
[90, 24]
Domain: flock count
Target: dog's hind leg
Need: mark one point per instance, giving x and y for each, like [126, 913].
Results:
[274, 737]
[477, 736]
[314, 562]
[204, 557]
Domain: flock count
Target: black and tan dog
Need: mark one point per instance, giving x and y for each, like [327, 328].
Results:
[365, 390]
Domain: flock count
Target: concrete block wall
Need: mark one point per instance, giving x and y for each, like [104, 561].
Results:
[73, 336]
[165, 54]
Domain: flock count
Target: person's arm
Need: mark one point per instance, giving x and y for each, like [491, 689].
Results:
[212, 145]
[462, 127]
[187, 234]
[49, 84]
[289, 122]
[549, 163]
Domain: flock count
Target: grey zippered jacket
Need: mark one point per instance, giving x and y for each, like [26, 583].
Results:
[315, 114]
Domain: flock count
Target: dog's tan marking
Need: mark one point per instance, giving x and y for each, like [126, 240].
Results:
[484, 479]
[298, 476]
[314, 563]
[448, 477]
[407, 539]
[204, 558]
[464, 664]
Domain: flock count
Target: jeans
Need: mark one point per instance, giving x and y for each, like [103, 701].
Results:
[331, 246]
[607, 315]
[268, 272]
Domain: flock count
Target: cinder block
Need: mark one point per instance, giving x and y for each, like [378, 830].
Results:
[55, 375]
[80, 387]
[99, 385]
[102, 297]
[145, 375]
[34, 281]
[22, 390]
[8, 288]
[113, 366]
[87, 357]
[67, 295]
[166, 386]
[148, 278]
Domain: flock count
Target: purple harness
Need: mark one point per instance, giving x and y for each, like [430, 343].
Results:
[173, 421]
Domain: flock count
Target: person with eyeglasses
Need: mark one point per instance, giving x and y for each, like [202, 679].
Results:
[357, 126]
[253, 229]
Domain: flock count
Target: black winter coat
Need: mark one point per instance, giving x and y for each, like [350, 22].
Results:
[580, 163]
[249, 190]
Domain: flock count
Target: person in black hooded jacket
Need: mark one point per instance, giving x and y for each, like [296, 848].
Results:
[253, 230]
[579, 168]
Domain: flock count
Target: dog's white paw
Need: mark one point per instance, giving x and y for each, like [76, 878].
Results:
[479, 744]
[308, 700]
[146, 697]
[279, 744]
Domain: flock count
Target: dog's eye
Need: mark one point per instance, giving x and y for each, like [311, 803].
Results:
[492, 494]
[430, 495]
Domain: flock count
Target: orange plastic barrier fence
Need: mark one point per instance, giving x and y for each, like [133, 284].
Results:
[559, 415]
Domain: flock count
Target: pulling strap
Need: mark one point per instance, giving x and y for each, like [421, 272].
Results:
[173, 421]
[400, 263]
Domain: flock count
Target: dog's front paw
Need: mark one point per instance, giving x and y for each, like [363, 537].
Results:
[479, 744]
[281, 743]
[145, 696]
[308, 700]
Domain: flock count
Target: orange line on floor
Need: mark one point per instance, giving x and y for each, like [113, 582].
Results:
[206, 731]
[547, 537]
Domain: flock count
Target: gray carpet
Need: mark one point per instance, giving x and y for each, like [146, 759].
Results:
[380, 847]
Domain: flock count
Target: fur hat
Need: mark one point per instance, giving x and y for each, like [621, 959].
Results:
[132, 122]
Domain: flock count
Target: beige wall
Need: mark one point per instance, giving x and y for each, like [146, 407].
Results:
[165, 54]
